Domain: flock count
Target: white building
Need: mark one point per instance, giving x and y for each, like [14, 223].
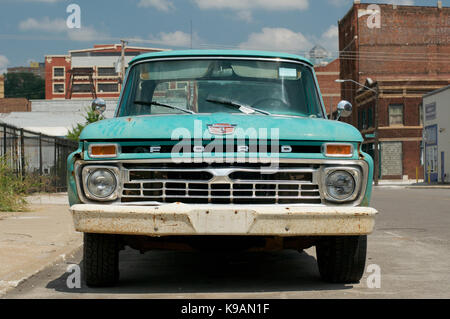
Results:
[436, 133]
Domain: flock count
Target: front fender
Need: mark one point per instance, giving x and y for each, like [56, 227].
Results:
[71, 183]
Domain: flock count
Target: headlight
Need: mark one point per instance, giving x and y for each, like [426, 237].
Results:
[100, 183]
[341, 185]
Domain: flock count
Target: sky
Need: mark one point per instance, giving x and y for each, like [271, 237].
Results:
[31, 29]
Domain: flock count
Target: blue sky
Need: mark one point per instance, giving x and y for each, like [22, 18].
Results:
[30, 29]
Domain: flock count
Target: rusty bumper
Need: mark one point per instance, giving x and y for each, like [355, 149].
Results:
[185, 219]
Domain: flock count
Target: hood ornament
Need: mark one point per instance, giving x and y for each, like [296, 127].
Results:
[221, 128]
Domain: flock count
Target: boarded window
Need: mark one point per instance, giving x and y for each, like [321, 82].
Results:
[82, 88]
[395, 114]
[58, 72]
[107, 72]
[391, 159]
[108, 87]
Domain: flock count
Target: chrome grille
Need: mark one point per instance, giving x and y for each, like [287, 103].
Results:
[237, 185]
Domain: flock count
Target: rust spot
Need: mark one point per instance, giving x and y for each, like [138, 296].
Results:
[129, 119]
[235, 211]
[207, 212]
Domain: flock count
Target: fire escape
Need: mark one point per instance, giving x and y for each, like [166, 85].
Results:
[81, 74]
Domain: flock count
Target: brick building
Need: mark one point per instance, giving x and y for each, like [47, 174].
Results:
[10, 105]
[331, 91]
[91, 69]
[2, 87]
[36, 68]
[405, 56]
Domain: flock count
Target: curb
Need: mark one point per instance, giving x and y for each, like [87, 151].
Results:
[10, 285]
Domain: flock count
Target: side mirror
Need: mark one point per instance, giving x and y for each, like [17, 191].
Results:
[344, 109]
[99, 106]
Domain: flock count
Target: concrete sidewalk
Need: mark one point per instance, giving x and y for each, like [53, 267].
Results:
[32, 241]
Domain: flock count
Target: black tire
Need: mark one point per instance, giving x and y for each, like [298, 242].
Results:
[342, 259]
[101, 260]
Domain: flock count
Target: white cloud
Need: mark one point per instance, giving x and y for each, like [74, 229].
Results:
[3, 64]
[59, 26]
[44, 1]
[244, 8]
[46, 25]
[339, 3]
[177, 39]
[279, 5]
[86, 34]
[331, 33]
[399, 2]
[330, 39]
[161, 5]
[277, 39]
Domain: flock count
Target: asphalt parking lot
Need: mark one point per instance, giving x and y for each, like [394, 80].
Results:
[410, 245]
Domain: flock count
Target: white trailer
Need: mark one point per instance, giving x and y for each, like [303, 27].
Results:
[436, 135]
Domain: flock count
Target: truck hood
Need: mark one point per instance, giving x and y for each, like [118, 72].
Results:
[163, 126]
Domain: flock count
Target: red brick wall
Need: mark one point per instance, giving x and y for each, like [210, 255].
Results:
[14, 105]
[411, 49]
[50, 62]
[326, 76]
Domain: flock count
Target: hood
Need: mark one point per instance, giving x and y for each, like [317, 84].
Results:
[162, 127]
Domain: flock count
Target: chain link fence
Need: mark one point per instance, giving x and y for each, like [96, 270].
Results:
[33, 153]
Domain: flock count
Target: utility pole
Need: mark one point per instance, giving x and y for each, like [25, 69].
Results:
[376, 158]
[122, 60]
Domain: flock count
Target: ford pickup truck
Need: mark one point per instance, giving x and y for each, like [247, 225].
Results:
[222, 150]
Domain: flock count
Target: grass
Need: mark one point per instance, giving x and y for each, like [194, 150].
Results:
[14, 188]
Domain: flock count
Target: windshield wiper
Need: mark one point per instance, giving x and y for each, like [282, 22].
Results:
[241, 107]
[164, 105]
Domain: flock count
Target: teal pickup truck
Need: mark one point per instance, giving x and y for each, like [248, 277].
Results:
[221, 150]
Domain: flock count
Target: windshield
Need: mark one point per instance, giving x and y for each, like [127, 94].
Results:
[220, 85]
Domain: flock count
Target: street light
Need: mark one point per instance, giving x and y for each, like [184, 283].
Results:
[375, 143]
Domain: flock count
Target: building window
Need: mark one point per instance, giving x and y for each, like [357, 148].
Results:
[108, 87]
[58, 88]
[58, 72]
[106, 71]
[364, 120]
[395, 114]
[82, 88]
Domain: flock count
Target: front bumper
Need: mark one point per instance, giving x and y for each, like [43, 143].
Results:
[251, 220]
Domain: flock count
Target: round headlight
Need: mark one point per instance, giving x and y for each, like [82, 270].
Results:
[340, 185]
[101, 183]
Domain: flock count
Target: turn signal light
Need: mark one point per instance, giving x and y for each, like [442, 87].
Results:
[338, 150]
[109, 150]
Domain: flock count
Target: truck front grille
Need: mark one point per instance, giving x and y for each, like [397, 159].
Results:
[222, 185]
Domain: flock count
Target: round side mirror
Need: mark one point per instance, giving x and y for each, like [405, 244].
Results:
[344, 109]
[99, 106]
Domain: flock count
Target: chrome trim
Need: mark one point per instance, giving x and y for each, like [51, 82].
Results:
[118, 150]
[324, 147]
[85, 173]
[335, 164]
[224, 57]
[356, 173]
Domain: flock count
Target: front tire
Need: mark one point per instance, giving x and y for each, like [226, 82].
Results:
[101, 260]
[342, 259]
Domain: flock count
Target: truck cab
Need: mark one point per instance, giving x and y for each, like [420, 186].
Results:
[222, 150]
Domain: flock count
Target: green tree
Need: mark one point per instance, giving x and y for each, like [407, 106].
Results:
[25, 85]
[90, 117]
